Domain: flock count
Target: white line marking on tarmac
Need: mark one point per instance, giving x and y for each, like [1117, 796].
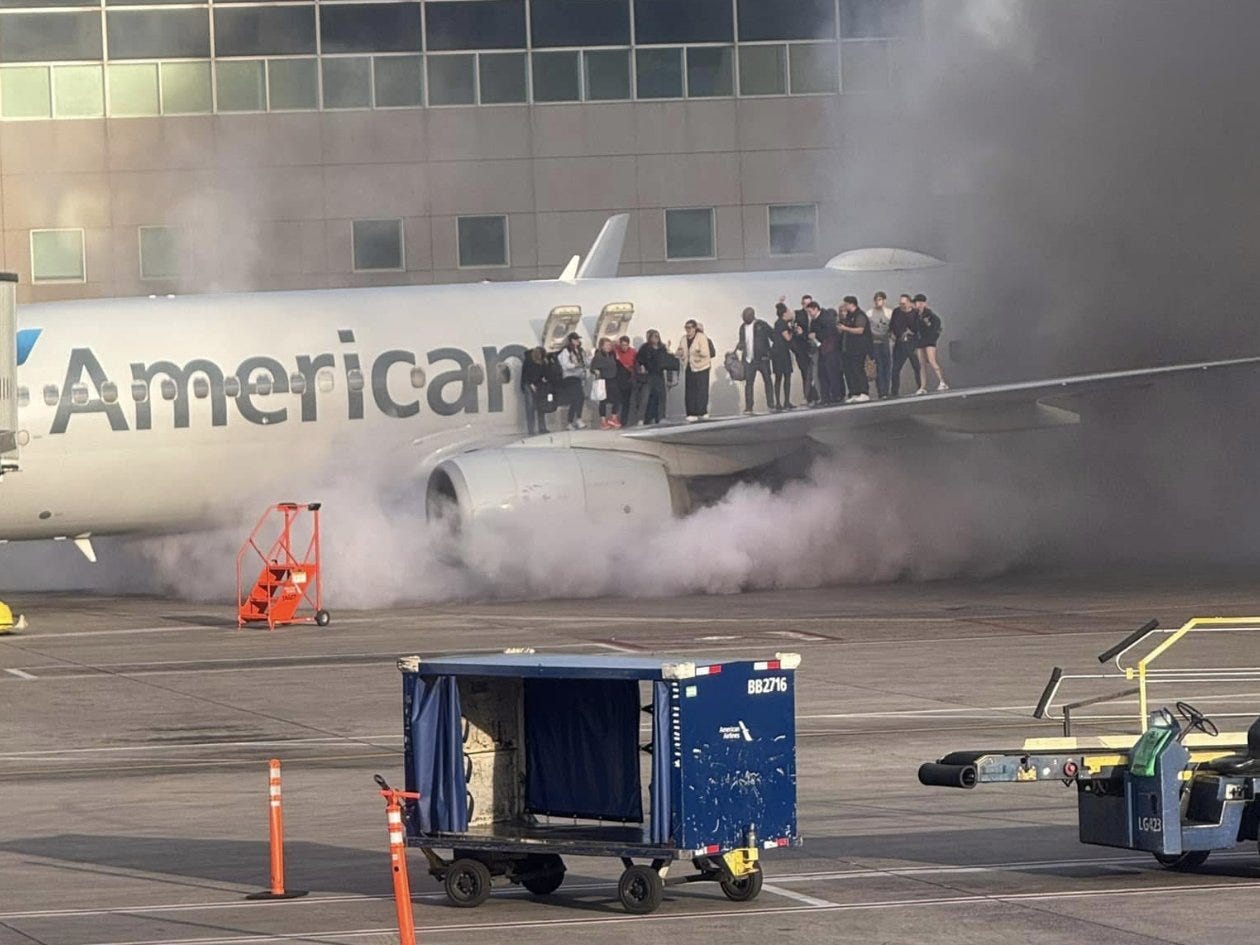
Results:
[327, 935]
[183, 746]
[20, 674]
[798, 897]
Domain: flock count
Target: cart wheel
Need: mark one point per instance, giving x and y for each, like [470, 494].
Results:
[742, 889]
[641, 889]
[1182, 862]
[322, 618]
[467, 883]
[546, 874]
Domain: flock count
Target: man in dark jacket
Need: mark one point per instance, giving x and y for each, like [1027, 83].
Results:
[806, 351]
[855, 326]
[650, 366]
[534, 389]
[753, 348]
[903, 328]
[826, 332]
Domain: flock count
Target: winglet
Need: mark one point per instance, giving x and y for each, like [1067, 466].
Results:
[604, 259]
[570, 273]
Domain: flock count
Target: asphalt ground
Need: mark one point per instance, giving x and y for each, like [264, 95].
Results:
[134, 735]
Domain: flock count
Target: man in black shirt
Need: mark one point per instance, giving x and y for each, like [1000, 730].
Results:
[805, 352]
[855, 326]
[903, 329]
[830, 367]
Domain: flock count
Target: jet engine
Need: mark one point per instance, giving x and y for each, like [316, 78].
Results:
[499, 486]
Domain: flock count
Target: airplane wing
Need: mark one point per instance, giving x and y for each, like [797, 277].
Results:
[998, 408]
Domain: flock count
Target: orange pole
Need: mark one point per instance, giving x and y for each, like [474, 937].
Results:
[398, 862]
[275, 804]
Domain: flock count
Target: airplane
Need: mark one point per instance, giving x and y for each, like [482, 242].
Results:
[141, 416]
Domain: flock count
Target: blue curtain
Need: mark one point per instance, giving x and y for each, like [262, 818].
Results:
[435, 750]
[582, 748]
[662, 767]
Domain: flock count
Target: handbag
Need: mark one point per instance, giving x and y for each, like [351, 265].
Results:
[735, 366]
[599, 390]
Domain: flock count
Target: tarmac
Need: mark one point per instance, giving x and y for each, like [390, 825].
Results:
[136, 731]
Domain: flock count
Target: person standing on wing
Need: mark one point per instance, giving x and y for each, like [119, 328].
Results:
[929, 335]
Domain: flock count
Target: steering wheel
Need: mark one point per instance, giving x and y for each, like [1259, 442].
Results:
[1196, 719]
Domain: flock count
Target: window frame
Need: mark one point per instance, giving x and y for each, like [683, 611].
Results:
[713, 247]
[770, 239]
[82, 280]
[402, 245]
[507, 241]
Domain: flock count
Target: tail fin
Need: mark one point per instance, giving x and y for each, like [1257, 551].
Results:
[604, 259]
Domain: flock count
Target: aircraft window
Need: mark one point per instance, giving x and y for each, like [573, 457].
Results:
[109, 392]
[348, 82]
[793, 229]
[696, 21]
[297, 383]
[354, 379]
[43, 37]
[660, 72]
[475, 24]
[477, 374]
[24, 396]
[169, 390]
[79, 394]
[158, 34]
[398, 81]
[264, 31]
[607, 74]
[812, 68]
[52, 395]
[326, 381]
[373, 27]
[452, 79]
[139, 391]
[417, 377]
[292, 84]
[200, 388]
[762, 70]
[262, 384]
[502, 77]
[864, 66]
[709, 71]
[689, 234]
[761, 20]
[232, 386]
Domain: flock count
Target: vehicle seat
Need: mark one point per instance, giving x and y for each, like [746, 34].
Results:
[1239, 766]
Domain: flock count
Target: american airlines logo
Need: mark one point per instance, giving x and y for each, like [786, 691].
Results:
[88, 389]
[26, 339]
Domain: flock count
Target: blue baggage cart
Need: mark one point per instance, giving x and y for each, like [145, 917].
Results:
[521, 759]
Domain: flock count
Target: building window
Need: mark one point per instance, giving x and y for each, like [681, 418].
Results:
[557, 77]
[812, 68]
[579, 23]
[879, 19]
[793, 229]
[864, 67]
[689, 234]
[159, 252]
[761, 20]
[676, 21]
[474, 24]
[348, 82]
[264, 31]
[501, 77]
[133, 89]
[241, 85]
[452, 79]
[185, 88]
[399, 81]
[709, 71]
[659, 73]
[370, 27]
[762, 70]
[293, 84]
[78, 92]
[607, 73]
[378, 245]
[24, 92]
[57, 256]
[158, 34]
[49, 37]
[483, 241]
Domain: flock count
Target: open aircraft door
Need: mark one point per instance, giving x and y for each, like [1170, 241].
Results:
[562, 320]
[614, 321]
[8, 373]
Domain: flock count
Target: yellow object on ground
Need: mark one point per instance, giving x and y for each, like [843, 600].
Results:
[7, 622]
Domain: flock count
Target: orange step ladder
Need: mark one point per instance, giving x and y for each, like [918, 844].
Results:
[289, 587]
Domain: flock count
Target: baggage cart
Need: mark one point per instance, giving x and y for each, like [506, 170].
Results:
[522, 759]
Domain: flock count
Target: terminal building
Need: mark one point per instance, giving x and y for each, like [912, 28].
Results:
[152, 147]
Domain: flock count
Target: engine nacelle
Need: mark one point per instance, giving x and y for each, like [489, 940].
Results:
[523, 483]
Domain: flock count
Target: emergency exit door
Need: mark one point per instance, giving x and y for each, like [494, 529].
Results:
[8, 372]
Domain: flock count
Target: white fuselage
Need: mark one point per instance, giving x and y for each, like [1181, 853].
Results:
[197, 448]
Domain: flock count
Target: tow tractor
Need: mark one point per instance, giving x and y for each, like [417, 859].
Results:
[1179, 790]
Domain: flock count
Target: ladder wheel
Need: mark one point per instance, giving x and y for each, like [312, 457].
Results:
[1182, 862]
[322, 618]
[641, 890]
[467, 883]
